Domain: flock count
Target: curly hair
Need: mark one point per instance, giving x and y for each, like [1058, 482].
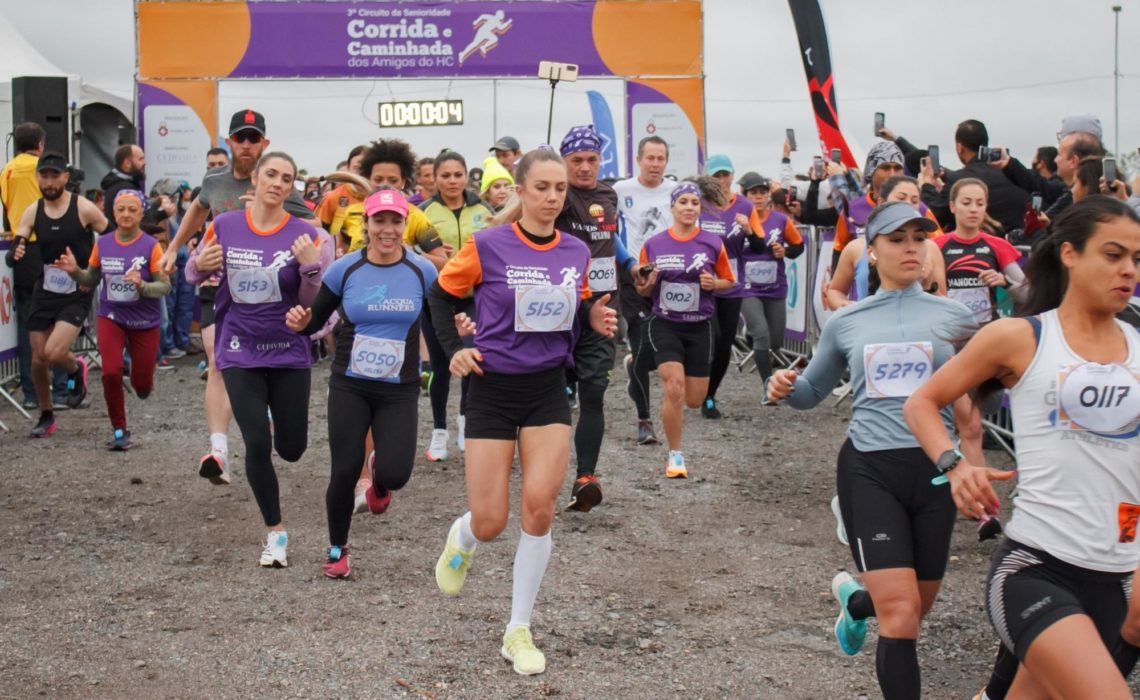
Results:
[389, 151]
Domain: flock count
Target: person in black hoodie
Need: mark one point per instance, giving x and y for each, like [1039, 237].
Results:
[129, 173]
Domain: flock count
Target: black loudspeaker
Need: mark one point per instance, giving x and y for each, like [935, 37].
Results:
[43, 101]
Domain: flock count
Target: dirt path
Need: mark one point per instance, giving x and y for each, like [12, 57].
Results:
[128, 576]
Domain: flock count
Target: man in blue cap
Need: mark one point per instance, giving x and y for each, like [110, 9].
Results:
[590, 214]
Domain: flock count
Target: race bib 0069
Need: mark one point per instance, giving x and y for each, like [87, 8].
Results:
[896, 370]
[602, 275]
[545, 308]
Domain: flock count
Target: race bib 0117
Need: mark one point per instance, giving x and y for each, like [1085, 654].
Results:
[896, 370]
[1098, 398]
[545, 308]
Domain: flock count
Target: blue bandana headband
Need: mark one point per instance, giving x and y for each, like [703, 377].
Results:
[581, 138]
[684, 188]
[132, 193]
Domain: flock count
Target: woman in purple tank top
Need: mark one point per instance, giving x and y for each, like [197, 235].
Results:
[126, 262]
[529, 281]
[268, 264]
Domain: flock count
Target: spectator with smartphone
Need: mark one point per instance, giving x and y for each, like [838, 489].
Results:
[1080, 137]
[1006, 202]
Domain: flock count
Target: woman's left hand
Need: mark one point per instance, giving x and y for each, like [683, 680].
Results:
[306, 252]
[708, 282]
[777, 250]
[992, 278]
[603, 319]
[133, 276]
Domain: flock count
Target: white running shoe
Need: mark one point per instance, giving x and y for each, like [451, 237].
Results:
[360, 504]
[461, 421]
[840, 530]
[275, 553]
[437, 451]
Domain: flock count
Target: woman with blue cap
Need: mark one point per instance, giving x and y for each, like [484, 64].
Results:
[898, 522]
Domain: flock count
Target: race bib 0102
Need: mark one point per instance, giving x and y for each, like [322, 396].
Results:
[118, 290]
[976, 299]
[760, 272]
[1098, 398]
[376, 358]
[681, 297]
[57, 281]
[896, 370]
[545, 308]
[602, 276]
[254, 285]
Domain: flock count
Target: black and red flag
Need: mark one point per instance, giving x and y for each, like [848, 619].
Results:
[816, 56]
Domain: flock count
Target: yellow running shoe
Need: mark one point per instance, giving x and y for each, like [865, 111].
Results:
[675, 467]
[451, 569]
[519, 649]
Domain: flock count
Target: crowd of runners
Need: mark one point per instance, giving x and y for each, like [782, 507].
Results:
[951, 291]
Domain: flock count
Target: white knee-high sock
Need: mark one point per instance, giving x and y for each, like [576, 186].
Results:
[219, 443]
[531, 559]
[466, 538]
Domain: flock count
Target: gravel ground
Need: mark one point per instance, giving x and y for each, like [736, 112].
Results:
[126, 575]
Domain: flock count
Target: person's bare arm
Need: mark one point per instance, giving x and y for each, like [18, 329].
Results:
[191, 222]
[91, 216]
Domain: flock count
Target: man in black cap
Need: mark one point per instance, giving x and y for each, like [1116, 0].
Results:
[62, 222]
[226, 188]
[507, 152]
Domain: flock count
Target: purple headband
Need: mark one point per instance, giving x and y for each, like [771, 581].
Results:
[684, 188]
[131, 193]
[581, 138]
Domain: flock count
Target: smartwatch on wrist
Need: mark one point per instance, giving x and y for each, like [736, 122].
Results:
[949, 459]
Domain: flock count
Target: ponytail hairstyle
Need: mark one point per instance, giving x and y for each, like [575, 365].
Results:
[711, 191]
[446, 156]
[512, 210]
[1046, 275]
[266, 157]
[893, 182]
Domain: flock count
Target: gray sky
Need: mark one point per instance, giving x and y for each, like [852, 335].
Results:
[1018, 65]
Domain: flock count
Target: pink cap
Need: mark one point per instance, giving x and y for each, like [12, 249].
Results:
[386, 200]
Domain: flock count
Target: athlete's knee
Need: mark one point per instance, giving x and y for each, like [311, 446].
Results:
[536, 514]
[674, 389]
[291, 447]
[900, 613]
[693, 401]
[1130, 630]
[487, 526]
[592, 395]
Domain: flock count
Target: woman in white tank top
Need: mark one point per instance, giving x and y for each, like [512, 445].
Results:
[1057, 593]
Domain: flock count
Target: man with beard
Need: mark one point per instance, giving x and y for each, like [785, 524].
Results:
[62, 222]
[129, 173]
[226, 188]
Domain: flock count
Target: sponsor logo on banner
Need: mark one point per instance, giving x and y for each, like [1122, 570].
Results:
[7, 309]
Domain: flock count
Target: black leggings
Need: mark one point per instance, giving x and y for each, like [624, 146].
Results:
[355, 406]
[727, 318]
[285, 393]
[642, 364]
[440, 387]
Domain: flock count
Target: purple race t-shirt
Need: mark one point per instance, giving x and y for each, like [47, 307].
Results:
[119, 301]
[526, 297]
[260, 283]
[723, 223]
[677, 295]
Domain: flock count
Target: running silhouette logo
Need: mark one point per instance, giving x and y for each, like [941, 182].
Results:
[569, 277]
[699, 261]
[488, 29]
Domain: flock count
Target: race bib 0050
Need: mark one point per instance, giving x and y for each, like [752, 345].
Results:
[118, 290]
[254, 285]
[896, 370]
[544, 309]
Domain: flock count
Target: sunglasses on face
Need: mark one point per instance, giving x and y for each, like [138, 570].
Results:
[247, 137]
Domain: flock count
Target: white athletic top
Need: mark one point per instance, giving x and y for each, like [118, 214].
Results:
[1076, 425]
[643, 211]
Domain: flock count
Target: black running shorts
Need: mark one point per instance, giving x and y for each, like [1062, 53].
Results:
[498, 405]
[895, 518]
[47, 309]
[687, 343]
[206, 296]
[1028, 590]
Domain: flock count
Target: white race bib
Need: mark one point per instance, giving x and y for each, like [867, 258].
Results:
[57, 281]
[602, 275]
[1100, 398]
[118, 290]
[896, 370]
[760, 272]
[376, 358]
[254, 285]
[545, 308]
[976, 299]
[682, 297]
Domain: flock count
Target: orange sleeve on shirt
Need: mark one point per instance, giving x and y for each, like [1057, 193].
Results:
[155, 256]
[463, 272]
[938, 231]
[723, 267]
[584, 293]
[842, 235]
[93, 259]
[792, 234]
[642, 258]
[756, 224]
[209, 237]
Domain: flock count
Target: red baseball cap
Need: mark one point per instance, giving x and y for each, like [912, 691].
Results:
[386, 200]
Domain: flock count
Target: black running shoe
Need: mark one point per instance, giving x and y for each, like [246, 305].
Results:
[709, 409]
